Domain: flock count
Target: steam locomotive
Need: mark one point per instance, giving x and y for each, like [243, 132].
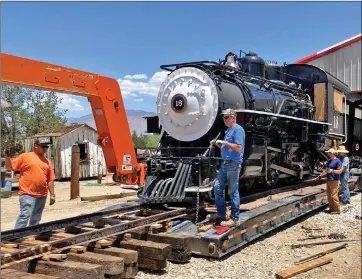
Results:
[290, 113]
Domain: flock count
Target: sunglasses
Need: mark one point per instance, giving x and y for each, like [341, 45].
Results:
[228, 116]
[44, 146]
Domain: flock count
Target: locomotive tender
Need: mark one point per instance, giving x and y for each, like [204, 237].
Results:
[291, 114]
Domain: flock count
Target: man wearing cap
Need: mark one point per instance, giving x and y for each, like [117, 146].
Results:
[342, 153]
[36, 179]
[333, 171]
[232, 151]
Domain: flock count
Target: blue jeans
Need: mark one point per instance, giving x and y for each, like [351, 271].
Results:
[346, 195]
[228, 175]
[30, 207]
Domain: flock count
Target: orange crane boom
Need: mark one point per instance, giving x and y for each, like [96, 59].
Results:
[104, 95]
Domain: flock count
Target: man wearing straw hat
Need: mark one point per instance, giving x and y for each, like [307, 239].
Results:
[342, 154]
[333, 171]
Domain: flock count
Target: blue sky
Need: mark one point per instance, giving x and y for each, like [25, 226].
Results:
[123, 39]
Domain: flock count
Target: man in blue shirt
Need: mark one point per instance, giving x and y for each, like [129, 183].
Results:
[232, 152]
[333, 171]
[342, 154]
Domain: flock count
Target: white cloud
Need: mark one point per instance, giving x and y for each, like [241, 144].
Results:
[139, 76]
[69, 103]
[139, 100]
[133, 95]
[149, 87]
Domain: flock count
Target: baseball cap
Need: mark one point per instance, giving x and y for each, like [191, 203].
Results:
[331, 150]
[229, 112]
[41, 142]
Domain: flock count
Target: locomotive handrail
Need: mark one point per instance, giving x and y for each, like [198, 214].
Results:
[345, 118]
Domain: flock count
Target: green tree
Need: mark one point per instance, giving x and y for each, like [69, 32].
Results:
[12, 128]
[145, 141]
[31, 112]
[43, 112]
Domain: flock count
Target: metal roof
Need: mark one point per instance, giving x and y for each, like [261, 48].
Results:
[330, 49]
[60, 131]
[5, 104]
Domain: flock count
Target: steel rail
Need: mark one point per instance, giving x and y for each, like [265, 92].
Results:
[286, 188]
[22, 255]
[67, 222]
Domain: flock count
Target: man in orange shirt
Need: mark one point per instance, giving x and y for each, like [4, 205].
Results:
[36, 179]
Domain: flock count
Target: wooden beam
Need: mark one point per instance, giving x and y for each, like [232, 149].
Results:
[74, 182]
[290, 272]
[108, 197]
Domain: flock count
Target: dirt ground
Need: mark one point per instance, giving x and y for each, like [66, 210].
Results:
[64, 207]
[261, 259]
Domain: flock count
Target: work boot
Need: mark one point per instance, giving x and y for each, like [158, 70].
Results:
[216, 218]
[231, 223]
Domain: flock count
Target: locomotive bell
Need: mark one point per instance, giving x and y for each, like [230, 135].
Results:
[231, 60]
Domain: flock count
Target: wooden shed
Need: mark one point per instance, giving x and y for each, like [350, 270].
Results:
[62, 139]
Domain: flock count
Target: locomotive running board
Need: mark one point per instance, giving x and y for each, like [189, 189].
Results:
[254, 223]
[282, 116]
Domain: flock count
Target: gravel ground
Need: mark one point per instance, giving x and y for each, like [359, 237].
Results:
[273, 253]
[260, 260]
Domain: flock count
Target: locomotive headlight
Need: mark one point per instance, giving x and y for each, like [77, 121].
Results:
[187, 104]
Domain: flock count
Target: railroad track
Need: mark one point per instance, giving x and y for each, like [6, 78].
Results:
[117, 241]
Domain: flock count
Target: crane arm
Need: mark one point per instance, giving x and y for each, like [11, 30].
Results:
[105, 98]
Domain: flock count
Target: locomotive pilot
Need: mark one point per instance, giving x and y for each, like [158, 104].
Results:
[333, 171]
[232, 151]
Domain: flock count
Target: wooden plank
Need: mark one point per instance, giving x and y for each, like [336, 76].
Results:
[290, 272]
[78, 249]
[54, 257]
[205, 228]
[10, 245]
[338, 100]
[108, 197]
[320, 101]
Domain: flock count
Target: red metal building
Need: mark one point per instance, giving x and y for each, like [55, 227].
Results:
[343, 60]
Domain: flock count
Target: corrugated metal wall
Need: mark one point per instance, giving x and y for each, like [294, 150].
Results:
[345, 64]
[60, 153]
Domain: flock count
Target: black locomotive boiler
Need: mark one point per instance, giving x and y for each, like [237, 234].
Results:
[291, 114]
